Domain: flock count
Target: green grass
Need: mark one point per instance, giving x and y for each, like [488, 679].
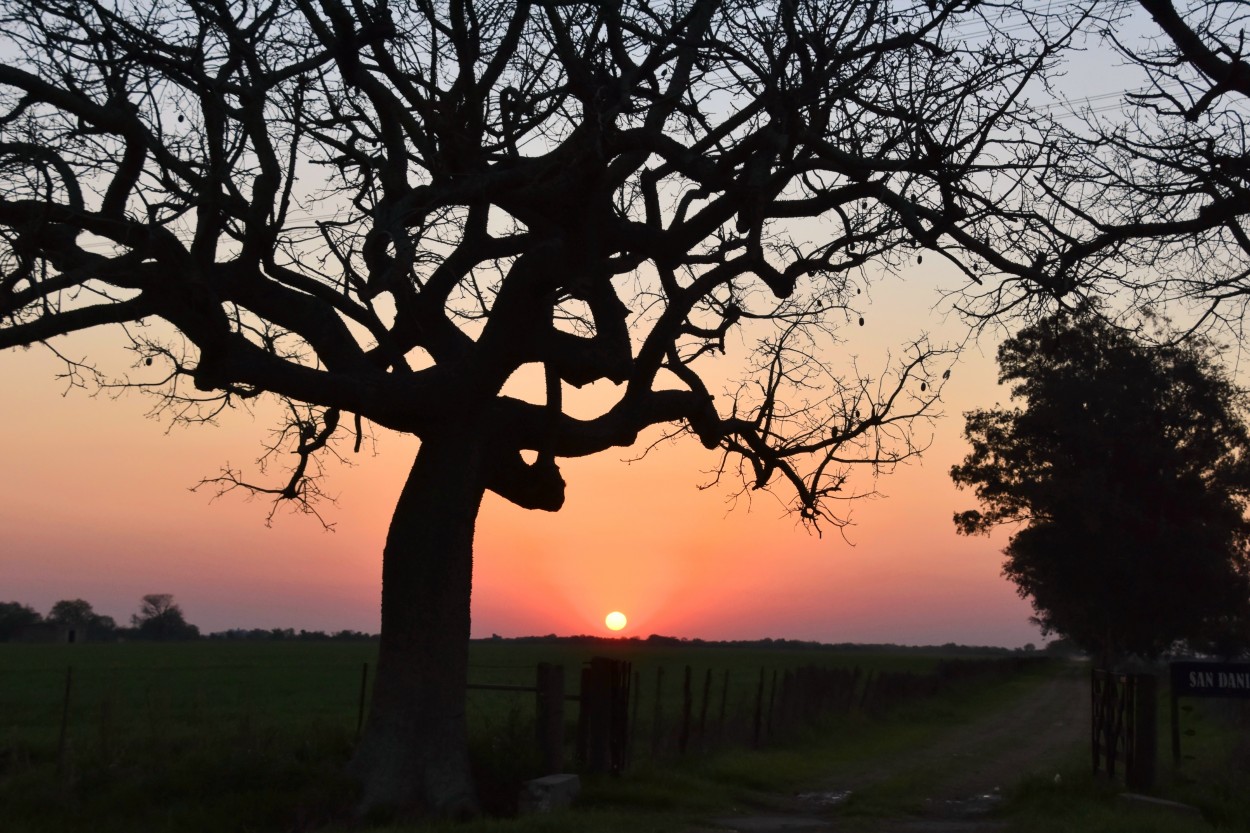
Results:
[202, 736]
[1081, 804]
[1213, 778]
[171, 689]
[163, 688]
[252, 736]
[1214, 774]
[205, 736]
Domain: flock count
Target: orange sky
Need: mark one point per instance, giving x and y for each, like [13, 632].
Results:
[95, 504]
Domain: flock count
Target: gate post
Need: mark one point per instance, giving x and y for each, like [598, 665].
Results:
[592, 720]
[602, 724]
[1139, 768]
[550, 711]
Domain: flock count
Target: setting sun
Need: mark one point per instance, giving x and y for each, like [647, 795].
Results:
[615, 620]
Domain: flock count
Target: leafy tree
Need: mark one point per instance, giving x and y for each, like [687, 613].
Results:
[161, 619]
[80, 616]
[1127, 467]
[446, 219]
[16, 617]
[72, 612]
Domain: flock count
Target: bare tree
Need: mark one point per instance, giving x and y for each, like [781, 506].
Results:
[160, 617]
[381, 212]
[1149, 204]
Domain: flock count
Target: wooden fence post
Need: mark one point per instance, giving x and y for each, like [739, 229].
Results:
[1095, 722]
[585, 706]
[633, 722]
[360, 708]
[707, 691]
[1139, 768]
[603, 719]
[683, 740]
[620, 679]
[657, 719]
[759, 708]
[724, 701]
[593, 719]
[1176, 726]
[772, 704]
[550, 714]
[62, 742]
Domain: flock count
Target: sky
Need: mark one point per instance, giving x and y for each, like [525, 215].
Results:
[96, 504]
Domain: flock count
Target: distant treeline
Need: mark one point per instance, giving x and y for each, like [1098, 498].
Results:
[158, 619]
[950, 648]
[280, 634]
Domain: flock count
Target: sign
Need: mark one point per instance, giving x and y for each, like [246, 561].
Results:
[1211, 679]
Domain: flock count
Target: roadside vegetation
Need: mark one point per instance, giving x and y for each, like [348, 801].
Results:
[1211, 785]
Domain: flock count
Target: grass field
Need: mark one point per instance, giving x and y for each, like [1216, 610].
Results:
[215, 736]
[163, 689]
[1213, 778]
[199, 735]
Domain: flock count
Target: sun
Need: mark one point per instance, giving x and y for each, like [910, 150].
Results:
[615, 620]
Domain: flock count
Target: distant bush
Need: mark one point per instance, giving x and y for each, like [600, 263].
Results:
[281, 634]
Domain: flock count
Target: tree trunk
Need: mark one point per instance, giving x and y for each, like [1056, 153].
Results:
[414, 754]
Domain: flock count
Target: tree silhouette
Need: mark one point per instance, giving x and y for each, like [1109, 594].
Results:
[1149, 208]
[15, 617]
[79, 615]
[160, 618]
[397, 213]
[1126, 470]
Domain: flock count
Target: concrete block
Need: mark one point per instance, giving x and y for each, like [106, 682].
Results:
[551, 792]
[1162, 805]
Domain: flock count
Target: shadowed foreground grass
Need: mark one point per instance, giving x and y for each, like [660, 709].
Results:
[683, 797]
[254, 737]
[234, 736]
[1213, 779]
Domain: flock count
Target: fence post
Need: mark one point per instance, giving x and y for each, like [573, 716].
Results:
[550, 712]
[1095, 722]
[593, 722]
[773, 703]
[686, 701]
[759, 708]
[724, 701]
[64, 739]
[707, 692]
[657, 719]
[620, 677]
[1139, 769]
[360, 709]
[1113, 721]
[585, 698]
[636, 694]
[602, 724]
[1176, 726]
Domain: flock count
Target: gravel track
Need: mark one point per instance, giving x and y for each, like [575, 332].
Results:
[972, 762]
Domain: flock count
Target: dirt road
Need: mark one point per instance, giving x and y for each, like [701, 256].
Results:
[964, 769]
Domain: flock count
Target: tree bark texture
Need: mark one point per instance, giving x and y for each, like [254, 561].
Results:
[414, 754]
